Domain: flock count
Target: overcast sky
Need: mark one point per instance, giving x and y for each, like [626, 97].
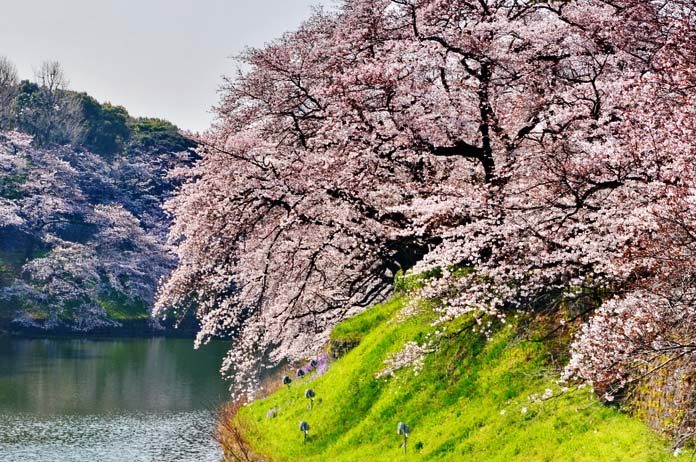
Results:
[159, 58]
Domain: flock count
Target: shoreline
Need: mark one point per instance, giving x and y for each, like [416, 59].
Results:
[134, 328]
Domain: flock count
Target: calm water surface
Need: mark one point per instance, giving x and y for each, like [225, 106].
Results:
[130, 400]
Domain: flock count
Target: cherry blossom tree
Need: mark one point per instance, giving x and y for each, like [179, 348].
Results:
[534, 143]
[82, 231]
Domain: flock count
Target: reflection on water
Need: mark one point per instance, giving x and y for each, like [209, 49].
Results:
[176, 437]
[108, 400]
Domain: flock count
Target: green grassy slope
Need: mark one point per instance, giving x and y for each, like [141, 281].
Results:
[470, 402]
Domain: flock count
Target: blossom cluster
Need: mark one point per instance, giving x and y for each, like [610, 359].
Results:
[77, 230]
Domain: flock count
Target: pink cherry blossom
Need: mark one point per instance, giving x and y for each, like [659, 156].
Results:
[546, 146]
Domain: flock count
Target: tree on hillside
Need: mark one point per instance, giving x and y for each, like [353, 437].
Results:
[158, 134]
[46, 109]
[534, 143]
[8, 83]
[105, 127]
[51, 76]
[55, 115]
[8, 74]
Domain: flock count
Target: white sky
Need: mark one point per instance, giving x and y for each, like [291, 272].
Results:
[158, 58]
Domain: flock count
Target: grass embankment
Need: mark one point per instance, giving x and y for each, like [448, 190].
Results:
[470, 402]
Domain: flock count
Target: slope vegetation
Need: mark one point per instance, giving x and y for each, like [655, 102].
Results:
[474, 399]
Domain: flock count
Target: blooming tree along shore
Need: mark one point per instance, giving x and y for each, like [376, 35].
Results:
[82, 230]
[74, 239]
[522, 152]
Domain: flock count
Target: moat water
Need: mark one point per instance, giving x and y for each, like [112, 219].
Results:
[125, 400]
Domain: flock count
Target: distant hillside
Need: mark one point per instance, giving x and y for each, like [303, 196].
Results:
[82, 230]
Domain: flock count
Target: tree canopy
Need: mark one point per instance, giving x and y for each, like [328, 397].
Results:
[524, 150]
